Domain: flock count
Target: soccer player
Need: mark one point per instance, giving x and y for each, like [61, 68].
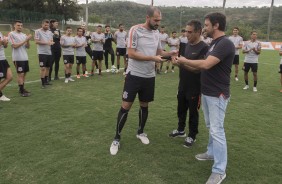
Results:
[20, 42]
[173, 43]
[68, 45]
[163, 38]
[215, 89]
[81, 43]
[44, 39]
[144, 50]
[205, 38]
[280, 53]
[252, 49]
[183, 41]
[98, 38]
[55, 48]
[238, 43]
[189, 88]
[108, 48]
[5, 70]
[120, 39]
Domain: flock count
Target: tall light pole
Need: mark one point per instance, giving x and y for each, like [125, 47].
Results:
[86, 14]
[180, 20]
[269, 19]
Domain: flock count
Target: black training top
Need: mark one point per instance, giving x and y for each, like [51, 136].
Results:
[190, 82]
[108, 43]
[216, 80]
[56, 39]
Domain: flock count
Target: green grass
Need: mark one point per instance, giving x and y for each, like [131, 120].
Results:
[62, 134]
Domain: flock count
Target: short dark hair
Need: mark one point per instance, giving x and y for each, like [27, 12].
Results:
[107, 26]
[120, 25]
[182, 30]
[52, 21]
[217, 18]
[196, 24]
[45, 21]
[173, 32]
[79, 29]
[99, 26]
[18, 21]
[236, 28]
[253, 32]
[68, 27]
[151, 10]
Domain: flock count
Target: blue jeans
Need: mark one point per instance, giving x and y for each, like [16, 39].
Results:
[214, 112]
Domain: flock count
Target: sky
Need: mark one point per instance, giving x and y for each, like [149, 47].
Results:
[201, 3]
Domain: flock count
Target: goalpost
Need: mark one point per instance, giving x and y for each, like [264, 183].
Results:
[6, 27]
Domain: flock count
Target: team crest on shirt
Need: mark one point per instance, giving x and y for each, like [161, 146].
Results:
[65, 61]
[125, 95]
[20, 69]
[1, 74]
[41, 63]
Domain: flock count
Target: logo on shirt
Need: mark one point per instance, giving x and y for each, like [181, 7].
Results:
[125, 95]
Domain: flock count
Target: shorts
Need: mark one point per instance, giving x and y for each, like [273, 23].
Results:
[81, 60]
[280, 69]
[120, 51]
[21, 66]
[68, 59]
[45, 60]
[253, 66]
[97, 55]
[236, 60]
[4, 65]
[144, 87]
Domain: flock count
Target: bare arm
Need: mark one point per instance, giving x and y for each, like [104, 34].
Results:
[26, 43]
[140, 57]
[204, 64]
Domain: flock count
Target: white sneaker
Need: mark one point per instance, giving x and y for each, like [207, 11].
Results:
[123, 73]
[97, 70]
[66, 80]
[4, 98]
[255, 89]
[172, 71]
[246, 87]
[70, 79]
[236, 79]
[114, 147]
[113, 67]
[108, 70]
[143, 137]
[86, 72]
[165, 71]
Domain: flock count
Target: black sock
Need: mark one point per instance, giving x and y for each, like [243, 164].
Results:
[143, 115]
[69, 75]
[46, 79]
[66, 75]
[172, 67]
[255, 83]
[83, 72]
[1, 94]
[247, 82]
[21, 88]
[122, 116]
[167, 68]
[77, 72]
[118, 67]
[99, 71]
[43, 81]
[125, 69]
[235, 76]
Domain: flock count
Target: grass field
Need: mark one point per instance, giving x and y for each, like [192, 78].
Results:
[62, 134]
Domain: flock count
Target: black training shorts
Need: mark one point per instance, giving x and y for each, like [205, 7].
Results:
[4, 65]
[81, 60]
[97, 55]
[45, 60]
[144, 87]
[21, 66]
[120, 51]
[236, 60]
[68, 59]
[248, 66]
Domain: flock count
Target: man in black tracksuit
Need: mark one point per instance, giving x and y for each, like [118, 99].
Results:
[108, 49]
[56, 49]
[189, 89]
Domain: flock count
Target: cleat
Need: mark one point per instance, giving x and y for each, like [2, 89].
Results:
[143, 137]
[4, 98]
[176, 133]
[114, 147]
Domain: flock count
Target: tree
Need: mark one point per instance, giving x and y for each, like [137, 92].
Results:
[269, 19]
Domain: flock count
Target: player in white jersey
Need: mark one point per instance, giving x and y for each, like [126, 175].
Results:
[81, 43]
[144, 50]
[163, 38]
[173, 43]
[44, 39]
[205, 38]
[238, 43]
[120, 40]
[5, 70]
[68, 45]
[98, 38]
[252, 50]
[20, 42]
[183, 41]
[280, 71]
